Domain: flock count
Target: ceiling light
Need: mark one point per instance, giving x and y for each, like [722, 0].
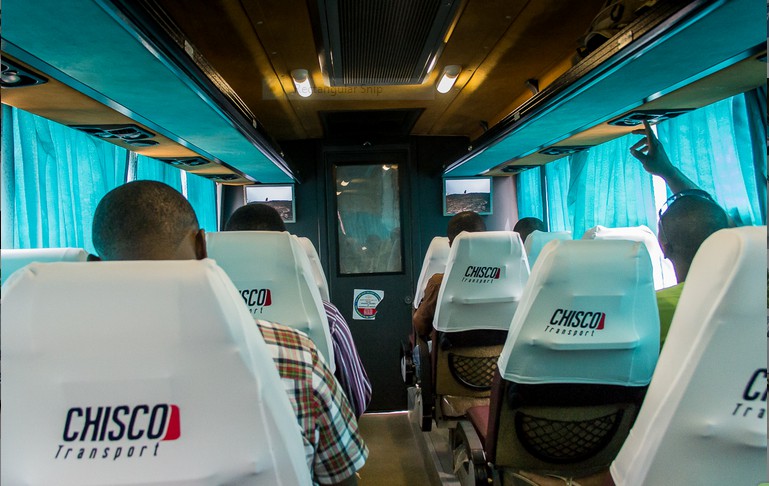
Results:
[301, 80]
[448, 78]
[344, 183]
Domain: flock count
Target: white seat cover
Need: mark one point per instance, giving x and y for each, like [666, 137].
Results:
[588, 315]
[704, 417]
[664, 274]
[484, 279]
[14, 259]
[435, 262]
[273, 274]
[140, 373]
[538, 239]
[317, 267]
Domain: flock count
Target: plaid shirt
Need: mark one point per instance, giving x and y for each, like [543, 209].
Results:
[333, 446]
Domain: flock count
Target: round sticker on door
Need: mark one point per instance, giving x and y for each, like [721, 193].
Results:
[365, 304]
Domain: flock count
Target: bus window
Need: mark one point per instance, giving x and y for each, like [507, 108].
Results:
[719, 146]
[54, 176]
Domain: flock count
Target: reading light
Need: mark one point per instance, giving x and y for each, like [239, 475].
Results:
[13, 76]
[448, 78]
[301, 80]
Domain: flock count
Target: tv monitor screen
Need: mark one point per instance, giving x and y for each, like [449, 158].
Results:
[470, 194]
[280, 197]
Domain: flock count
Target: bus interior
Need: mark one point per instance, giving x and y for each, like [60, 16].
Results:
[368, 125]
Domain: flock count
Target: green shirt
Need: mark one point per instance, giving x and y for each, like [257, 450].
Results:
[667, 299]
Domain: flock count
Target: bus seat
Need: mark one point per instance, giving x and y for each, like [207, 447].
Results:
[664, 275]
[14, 259]
[578, 357]
[434, 262]
[538, 239]
[317, 267]
[704, 417]
[140, 373]
[271, 271]
[484, 279]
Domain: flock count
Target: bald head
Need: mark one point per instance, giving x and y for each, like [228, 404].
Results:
[146, 220]
[255, 217]
[464, 221]
[685, 225]
[526, 226]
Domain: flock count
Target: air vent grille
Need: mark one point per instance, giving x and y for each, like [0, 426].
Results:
[636, 118]
[224, 177]
[186, 162]
[371, 42]
[516, 169]
[564, 149]
[128, 134]
[14, 76]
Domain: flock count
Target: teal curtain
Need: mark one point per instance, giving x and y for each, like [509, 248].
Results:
[201, 193]
[151, 169]
[529, 194]
[52, 179]
[721, 147]
[608, 186]
[557, 176]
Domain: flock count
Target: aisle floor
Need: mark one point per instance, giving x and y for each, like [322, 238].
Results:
[397, 458]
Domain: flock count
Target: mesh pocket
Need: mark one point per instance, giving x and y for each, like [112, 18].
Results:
[562, 442]
[473, 372]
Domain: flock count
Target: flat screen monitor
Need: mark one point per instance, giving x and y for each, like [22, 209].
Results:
[468, 194]
[279, 196]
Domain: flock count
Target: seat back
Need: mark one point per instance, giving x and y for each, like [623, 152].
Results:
[538, 239]
[140, 373]
[704, 417]
[483, 282]
[271, 271]
[664, 274]
[317, 267]
[434, 262]
[14, 259]
[581, 349]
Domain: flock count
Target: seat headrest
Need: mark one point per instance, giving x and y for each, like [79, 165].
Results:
[664, 274]
[708, 395]
[317, 267]
[435, 262]
[484, 279]
[271, 271]
[588, 315]
[14, 259]
[139, 372]
[538, 239]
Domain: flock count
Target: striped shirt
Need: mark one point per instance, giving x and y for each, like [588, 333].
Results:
[349, 369]
[333, 446]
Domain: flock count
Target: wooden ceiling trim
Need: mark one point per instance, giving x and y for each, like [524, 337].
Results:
[222, 32]
[536, 38]
[465, 48]
[289, 49]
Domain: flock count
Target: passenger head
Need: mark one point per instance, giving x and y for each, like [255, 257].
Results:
[686, 223]
[147, 220]
[526, 226]
[255, 217]
[464, 221]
